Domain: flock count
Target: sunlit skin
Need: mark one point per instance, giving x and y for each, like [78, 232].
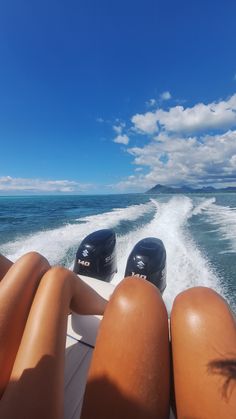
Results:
[203, 330]
[35, 300]
[131, 367]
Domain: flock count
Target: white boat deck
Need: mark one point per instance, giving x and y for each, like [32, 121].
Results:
[78, 357]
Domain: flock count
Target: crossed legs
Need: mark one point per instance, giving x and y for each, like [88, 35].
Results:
[18, 285]
[34, 303]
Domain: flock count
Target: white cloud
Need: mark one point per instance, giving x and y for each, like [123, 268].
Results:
[184, 145]
[119, 128]
[10, 184]
[162, 97]
[192, 160]
[151, 102]
[122, 139]
[145, 123]
[200, 117]
[165, 95]
[215, 115]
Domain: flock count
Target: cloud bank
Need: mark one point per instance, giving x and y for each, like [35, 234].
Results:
[172, 145]
[185, 145]
[188, 120]
[19, 185]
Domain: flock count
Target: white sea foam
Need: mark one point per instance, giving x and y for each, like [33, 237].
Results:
[203, 205]
[53, 244]
[225, 220]
[110, 219]
[186, 266]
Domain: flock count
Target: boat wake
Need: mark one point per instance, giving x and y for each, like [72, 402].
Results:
[169, 221]
[225, 219]
[186, 265]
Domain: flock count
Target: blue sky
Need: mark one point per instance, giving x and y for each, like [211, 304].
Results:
[113, 97]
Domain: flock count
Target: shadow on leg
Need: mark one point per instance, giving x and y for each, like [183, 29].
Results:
[129, 373]
[17, 290]
[36, 385]
[5, 265]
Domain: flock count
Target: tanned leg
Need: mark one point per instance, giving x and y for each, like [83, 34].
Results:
[5, 265]
[203, 334]
[36, 385]
[17, 290]
[129, 373]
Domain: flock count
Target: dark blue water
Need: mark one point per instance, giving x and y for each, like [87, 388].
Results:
[199, 232]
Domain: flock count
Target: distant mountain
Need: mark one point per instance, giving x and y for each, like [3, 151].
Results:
[161, 189]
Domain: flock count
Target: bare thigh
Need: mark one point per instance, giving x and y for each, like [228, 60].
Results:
[17, 290]
[36, 386]
[203, 334]
[36, 382]
[129, 373]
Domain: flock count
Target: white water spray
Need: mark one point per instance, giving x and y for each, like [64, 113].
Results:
[186, 266]
[225, 219]
[53, 244]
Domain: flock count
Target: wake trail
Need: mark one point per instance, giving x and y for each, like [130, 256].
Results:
[224, 218]
[186, 265]
[54, 244]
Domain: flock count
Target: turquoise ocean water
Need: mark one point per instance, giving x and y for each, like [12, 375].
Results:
[199, 232]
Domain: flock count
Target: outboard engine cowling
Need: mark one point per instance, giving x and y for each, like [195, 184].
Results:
[148, 261]
[96, 255]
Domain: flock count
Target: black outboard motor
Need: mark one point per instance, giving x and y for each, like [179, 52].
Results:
[96, 255]
[148, 261]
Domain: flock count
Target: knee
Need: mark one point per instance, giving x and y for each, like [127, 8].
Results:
[56, 281]
[133, 294]
[32, 256]
[56, 275]
[196, 298]
[35, 262]
[193, 306]
[34, 259]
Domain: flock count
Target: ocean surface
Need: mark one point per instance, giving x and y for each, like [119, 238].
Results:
[199, 233]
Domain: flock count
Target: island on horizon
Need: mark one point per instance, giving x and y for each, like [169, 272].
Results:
[162, 189]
